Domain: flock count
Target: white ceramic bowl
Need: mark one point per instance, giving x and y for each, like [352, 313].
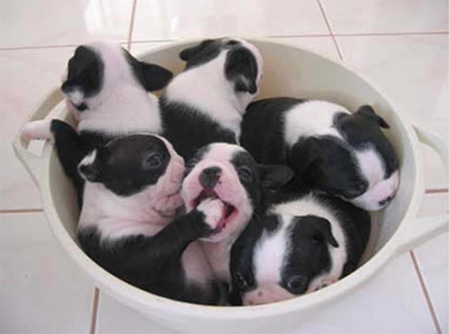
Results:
[288, 71]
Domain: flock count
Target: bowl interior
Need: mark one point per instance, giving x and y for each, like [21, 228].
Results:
[289, 71]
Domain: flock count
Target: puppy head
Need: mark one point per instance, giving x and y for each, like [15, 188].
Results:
[280, 257]
[96, 69]
[243, 65]
[229, 173]
[135, 164]
[363, 168]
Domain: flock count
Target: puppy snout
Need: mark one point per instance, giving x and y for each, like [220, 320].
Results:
[209, 177]
[385, 201]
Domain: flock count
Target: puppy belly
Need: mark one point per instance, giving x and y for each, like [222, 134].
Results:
[196, 266]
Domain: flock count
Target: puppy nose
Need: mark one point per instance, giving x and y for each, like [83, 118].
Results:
[385, 201]
[209, 177]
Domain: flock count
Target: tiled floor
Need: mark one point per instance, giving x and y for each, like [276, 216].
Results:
[401, 45]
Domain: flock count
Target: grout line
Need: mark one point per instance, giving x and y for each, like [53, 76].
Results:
[130, 30]
[39, 47]
[22, 211]
[330, 30]
[94, 311]
[436, 191]
[425, 292]
[128, 42]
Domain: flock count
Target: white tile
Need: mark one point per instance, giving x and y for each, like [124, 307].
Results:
[26, 23]
[321, 45]
[173, 19]
[413, 72]
[381, 16]
[433, 259]
[27, 76]
[41, 291]
[116, 318]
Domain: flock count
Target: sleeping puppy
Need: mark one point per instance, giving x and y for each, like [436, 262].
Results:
[304, 243]
[329, 148]
[205, 103]
[107, 92]
[128, 223]
[230, 174]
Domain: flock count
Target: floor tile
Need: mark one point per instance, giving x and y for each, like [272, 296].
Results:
[27, 76]
[386, 16]
[413, 72]
[41, 291]
[433, 260]
[163, 19]
[116, 318]
[23, 23]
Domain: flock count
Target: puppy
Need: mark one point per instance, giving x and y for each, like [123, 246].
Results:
[205, 103]
[329, 148]
[107, 92]
[300, 246]
[128, 223]
[229, 173]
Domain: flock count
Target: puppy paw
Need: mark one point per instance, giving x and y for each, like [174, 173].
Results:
[37, 130]
[213, 210]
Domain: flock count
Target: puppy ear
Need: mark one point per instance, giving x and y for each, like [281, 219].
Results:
[274, 176]
[242, 69]
[152, 77]
[368, 112]
[324, 229]
[188, 53]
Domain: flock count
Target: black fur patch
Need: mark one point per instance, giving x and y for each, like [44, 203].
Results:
[350, 126]
[152, 77]
[241, 68]
[266, 117]
[188, 130]
[85, 72]
[153, 263]
[128, 164]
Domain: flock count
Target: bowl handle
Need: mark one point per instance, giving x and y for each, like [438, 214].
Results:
[32, 162]
[425, 228]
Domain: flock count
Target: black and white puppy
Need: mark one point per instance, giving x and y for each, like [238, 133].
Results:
[205, 103]
[128, 223]
[329, 148]
[230, 174]
[107, 92]
[300, 246]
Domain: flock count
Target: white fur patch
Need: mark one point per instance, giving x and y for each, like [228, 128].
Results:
[122, 105]
[270, 251]
[37, 130]
[308, 205]
[206, 89]
[311, 118]
[89, 159]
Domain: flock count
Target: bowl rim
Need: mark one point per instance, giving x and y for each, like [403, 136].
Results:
[144, 301]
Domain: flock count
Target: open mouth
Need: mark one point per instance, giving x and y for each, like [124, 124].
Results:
[228, 213]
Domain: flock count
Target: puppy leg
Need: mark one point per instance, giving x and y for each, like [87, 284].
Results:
[71, 149]
[153, 263]
[37, 130]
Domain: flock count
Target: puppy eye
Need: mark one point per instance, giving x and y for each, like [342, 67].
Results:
[245, 174]
[297, 284]
[153, 161]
